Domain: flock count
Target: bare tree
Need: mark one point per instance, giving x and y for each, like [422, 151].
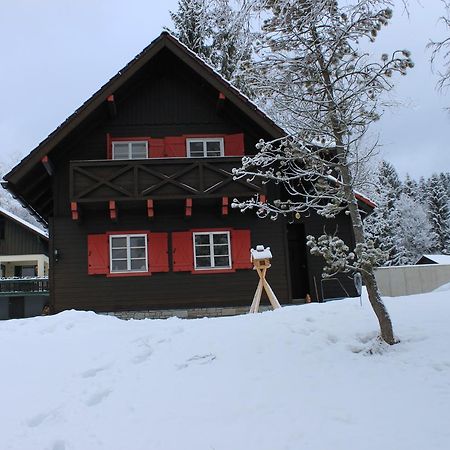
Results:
[329, 92]
[442, 48]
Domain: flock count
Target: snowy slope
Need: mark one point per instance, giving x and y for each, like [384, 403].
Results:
[295, 378]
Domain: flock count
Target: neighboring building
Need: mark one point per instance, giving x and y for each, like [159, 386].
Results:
[434, 259]
[24, 266]
[136, 187]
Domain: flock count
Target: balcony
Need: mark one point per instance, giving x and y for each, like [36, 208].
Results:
[157, 179]
[18, 287]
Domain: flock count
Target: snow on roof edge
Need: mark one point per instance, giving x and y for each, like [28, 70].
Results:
[24, 222]
[438, 259]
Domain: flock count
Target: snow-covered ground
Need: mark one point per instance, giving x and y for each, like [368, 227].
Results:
[297, 378]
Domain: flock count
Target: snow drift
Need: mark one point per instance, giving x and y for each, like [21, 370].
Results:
[306, 377]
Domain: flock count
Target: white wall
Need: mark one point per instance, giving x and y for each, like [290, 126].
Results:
[407, 280]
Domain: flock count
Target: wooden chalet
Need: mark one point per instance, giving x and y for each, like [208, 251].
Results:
[136, 188]
[24, 266]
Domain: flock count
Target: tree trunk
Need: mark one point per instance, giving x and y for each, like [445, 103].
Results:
[337, 127]
[368, 276]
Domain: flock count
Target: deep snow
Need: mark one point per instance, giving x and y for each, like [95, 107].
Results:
[295, 378]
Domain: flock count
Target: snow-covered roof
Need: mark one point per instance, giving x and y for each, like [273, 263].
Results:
[24, 223]
[438, 259]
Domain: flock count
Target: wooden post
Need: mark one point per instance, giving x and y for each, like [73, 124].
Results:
[261, 263]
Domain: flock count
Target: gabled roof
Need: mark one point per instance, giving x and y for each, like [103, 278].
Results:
[24, 223]
[164, 40]
[437, 259]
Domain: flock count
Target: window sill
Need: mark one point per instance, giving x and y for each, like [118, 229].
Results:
[209, 271]
[127, 274]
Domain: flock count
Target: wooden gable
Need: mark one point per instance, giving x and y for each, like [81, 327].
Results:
[149, 83]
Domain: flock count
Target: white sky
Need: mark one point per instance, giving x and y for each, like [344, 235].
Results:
[57, 53]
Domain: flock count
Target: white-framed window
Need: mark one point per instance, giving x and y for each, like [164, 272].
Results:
[128, 253]
[212, 250]
[204, 147]
[130, 150]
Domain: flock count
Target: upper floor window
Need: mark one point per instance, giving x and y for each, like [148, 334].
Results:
[130, 150]
[212, 250]
[204, 147]
[128, 253]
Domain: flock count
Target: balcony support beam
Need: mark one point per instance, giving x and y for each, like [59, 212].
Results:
[224, 206]
[74, 211]
[150, 210]
[188, 209]
[112, 210]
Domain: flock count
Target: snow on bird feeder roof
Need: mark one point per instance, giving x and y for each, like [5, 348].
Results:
[260, 253]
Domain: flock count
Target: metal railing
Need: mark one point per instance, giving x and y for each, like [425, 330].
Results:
[16, 286]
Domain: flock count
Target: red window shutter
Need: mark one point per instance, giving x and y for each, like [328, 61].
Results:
[182, 251]
[175, 147]
[234, 145]
[98, 254]
[156, 148]
[158, 252]
[240, 249]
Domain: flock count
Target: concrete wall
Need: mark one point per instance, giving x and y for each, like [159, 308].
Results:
[407, 280]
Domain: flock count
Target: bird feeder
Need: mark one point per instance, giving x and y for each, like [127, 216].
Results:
[261, 263]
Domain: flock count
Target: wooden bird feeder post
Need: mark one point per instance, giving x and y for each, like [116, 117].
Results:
[261, 262]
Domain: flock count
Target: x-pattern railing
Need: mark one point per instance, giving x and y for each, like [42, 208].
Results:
[209, 177]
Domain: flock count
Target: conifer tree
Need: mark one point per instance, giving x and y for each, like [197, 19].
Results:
[192, 25]
[439, 214]
[219, 31]
[382, 225]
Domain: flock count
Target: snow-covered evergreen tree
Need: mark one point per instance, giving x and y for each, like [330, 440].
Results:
[382, 225]
[219, 31]
[192, 23]
[413, 236]
[410, 187]
[439, 213]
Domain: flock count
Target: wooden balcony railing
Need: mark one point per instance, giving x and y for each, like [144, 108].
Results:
[157, 179]
[14, 286]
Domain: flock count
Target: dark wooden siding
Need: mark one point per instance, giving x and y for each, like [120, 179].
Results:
[74, 288]
[21, 241]
[166, 99]
[342, 284]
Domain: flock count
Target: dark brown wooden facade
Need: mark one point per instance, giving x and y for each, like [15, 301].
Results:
[70, 183]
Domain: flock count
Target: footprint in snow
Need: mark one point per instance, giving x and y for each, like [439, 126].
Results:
[37, 419]
[98, 397]
[197, 359]
[143, 356]
[58, 445]
[93, 372]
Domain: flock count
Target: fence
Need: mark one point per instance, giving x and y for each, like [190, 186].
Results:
[408, 280]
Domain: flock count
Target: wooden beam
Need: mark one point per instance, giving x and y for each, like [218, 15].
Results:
[150, 211]
[112, 108]
[112, 210]
[188, 210]
[220, 102]
[224, 206]
[48, 165]
[74, 211]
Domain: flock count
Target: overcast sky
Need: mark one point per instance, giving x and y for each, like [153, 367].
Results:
[57, 53]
